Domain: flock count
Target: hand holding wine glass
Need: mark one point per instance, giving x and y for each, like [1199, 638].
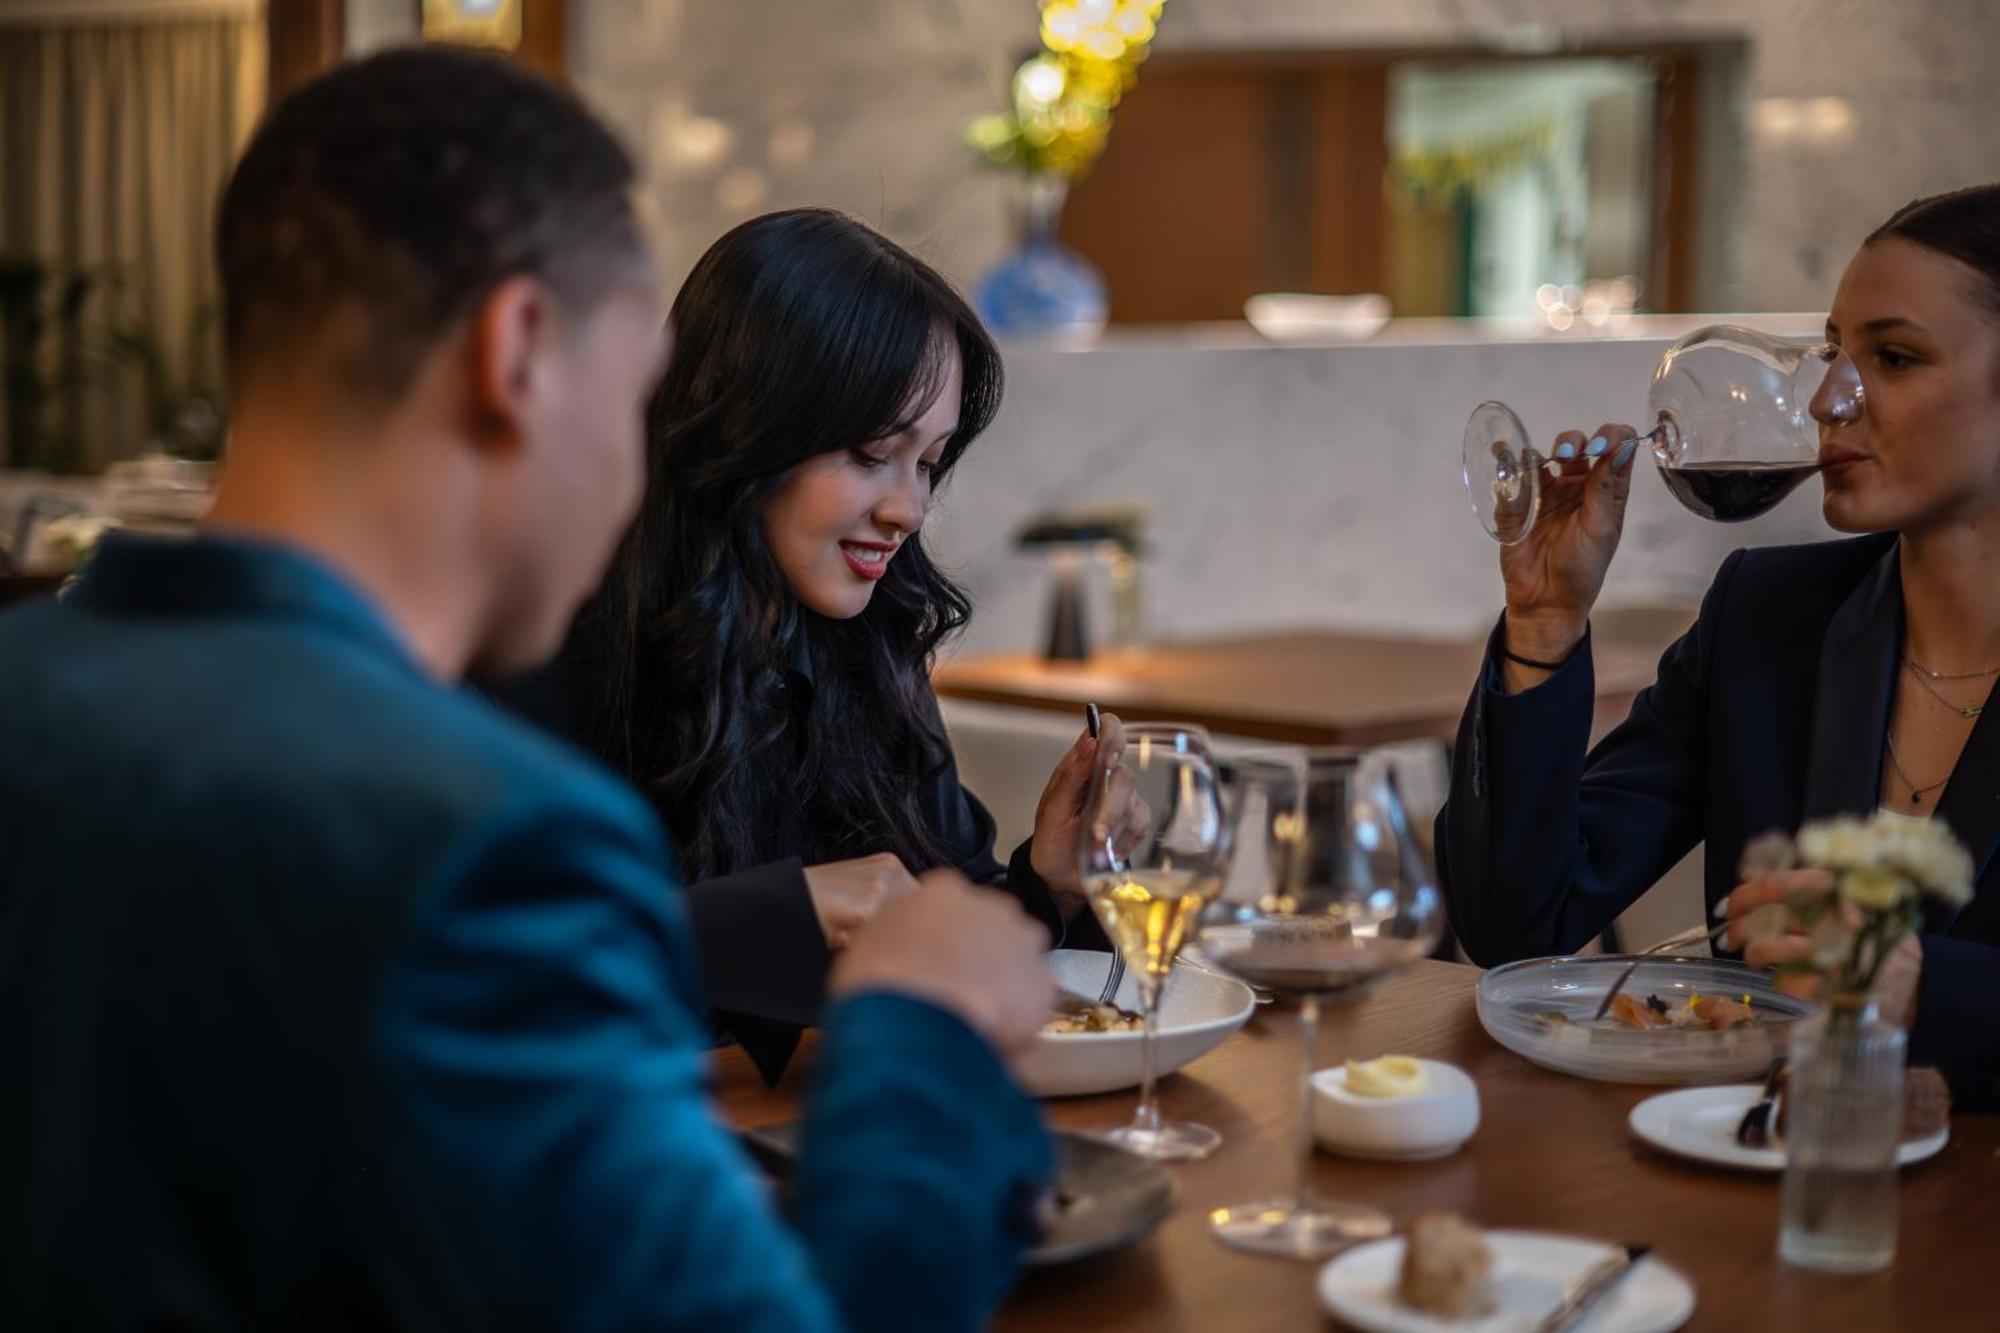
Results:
[1555, 572]
[1733, 433]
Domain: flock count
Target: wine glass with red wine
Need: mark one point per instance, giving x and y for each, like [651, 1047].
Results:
[1733, 431]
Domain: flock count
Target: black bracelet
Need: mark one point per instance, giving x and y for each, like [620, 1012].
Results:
[1513, 656]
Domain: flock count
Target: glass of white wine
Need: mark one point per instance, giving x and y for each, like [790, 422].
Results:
[1151, 847]
[1347, 897]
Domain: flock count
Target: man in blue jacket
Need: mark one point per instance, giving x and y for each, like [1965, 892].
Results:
[332, 998]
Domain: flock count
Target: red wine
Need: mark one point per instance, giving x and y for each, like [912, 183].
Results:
[1733, 492]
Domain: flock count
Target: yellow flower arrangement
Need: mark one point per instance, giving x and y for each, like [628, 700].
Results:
[1063, 97]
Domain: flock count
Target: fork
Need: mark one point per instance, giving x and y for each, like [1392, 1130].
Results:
[1117, 975]
[1755, 1129]
[1680, 941]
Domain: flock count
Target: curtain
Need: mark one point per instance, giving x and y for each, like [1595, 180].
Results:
[115, 139]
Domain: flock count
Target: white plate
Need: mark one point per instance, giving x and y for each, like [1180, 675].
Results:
[1700, 1123]
[1532, 1272]
[1198, 1012]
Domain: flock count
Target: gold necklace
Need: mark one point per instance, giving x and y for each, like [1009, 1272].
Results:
[1916, 792]
[1926, 677]
[1942, 675]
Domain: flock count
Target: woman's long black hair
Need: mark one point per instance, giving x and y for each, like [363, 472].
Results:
[797, 334]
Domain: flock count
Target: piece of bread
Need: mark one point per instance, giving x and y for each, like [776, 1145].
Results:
[1445, 1265]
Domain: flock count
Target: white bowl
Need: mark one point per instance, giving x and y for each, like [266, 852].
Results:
[1300, 316]
[1434, 1123]
[1198, 1011]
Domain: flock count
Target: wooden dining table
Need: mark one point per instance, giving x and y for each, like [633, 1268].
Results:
[1307, 687]
[1552, 1153]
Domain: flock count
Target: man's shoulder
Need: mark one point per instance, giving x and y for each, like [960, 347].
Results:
[524, 765]
[292, 727]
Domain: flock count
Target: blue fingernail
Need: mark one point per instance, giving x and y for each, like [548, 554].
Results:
[1624, 456]
[1597, 446]
[1565, 451]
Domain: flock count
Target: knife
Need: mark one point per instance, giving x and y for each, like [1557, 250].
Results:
[1592, 1288]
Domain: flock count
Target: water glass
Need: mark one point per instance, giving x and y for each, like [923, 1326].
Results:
[1844, 1114]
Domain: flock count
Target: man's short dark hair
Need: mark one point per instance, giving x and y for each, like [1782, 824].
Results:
[388, 197]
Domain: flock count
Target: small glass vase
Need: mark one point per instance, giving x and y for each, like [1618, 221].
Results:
[1042, 289]
[1844, 1121]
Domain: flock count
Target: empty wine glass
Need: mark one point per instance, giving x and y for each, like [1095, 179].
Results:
[1347, 898]
[1733, 431]
[1151, 848]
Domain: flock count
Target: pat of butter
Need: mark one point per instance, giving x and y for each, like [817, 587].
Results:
[1390, 1076]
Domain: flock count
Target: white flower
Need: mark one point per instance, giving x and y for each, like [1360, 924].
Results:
[1836, 844]
[1934, 859]
[1927, 855]
[1875, 888]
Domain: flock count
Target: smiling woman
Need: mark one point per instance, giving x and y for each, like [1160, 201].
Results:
[1818, 681]
[758, 662]
[839, 517]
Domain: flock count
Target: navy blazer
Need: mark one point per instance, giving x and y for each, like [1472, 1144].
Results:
[336, 999]
[1768, 713]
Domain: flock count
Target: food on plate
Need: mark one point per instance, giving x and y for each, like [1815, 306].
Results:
[1446, 1263]
[1388, 1077]
[1714, 1013]
[1094, 1018]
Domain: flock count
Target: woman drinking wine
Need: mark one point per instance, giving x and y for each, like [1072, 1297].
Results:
[1818, 680]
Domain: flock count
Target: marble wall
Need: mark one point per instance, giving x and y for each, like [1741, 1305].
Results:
[739, 106]
[1307, 485]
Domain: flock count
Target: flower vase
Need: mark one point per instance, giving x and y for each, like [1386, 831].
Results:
[1844, 1119]
[1042, 289]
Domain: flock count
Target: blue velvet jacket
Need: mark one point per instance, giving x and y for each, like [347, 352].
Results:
[334, 999]
[1768, 713]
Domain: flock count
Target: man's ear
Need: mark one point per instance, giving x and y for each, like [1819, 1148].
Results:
[506, 340]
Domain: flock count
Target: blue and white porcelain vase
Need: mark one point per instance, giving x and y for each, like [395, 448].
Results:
[1042, 289]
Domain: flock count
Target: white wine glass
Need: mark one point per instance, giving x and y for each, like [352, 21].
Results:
[1347, 899]
[1151, 848]
[1733, 430]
